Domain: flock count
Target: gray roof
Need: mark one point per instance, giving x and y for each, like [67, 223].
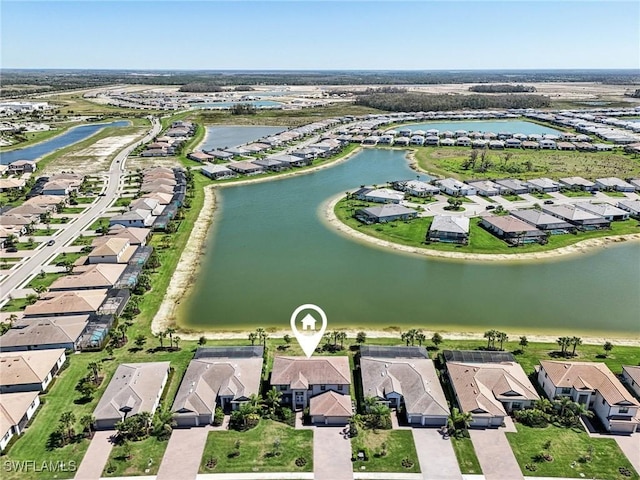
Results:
[510, 224]
[571, 212]
[632, 206]
[603, 209]
[210, 168]
[512, 184]
[207, 378]
[450, 223]
[380, 351]
[44, 331]
[388, 210]
[134, 388]
[413, 378]
[539, 218]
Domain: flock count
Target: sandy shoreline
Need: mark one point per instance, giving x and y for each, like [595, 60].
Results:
[583, 246]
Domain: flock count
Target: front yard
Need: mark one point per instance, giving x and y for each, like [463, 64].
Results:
[466, 455]
[399, 448]
[145, 457]
[269, 447]
[573, 454]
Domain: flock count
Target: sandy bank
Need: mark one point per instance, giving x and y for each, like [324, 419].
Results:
[584, 246]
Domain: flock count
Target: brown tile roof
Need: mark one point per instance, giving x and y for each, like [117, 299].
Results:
[330, 404]
[45, 331]
[13, 406]
[135, 235]
[111, 246]
[99, 275]
[67, 303]
[480, 386]
[633, 372]
[588, 375]
[300, 372]
[20, 368]
[510, 224]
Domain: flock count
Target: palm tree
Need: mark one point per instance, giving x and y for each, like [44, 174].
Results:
[608, 346]
[161, 336]
[361, 338]
[436, 339]
[370, 402]
[503, 337]
[420, 337]
[255, 400]
[563, 343]
[458, 420]
[87, 422]
[67, 419]
[490, 335]
[176, 340]
[342, 336]
[272, 400]
[523, 342]
[253, 337]
[406, 337]
[163, 422]
[95, 369]
[263, 336]
[170, 331]
[575, 341]
[122, 330]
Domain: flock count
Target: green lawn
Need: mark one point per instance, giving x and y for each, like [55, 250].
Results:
[568, 448]
[71, 256]
[85, 200]
[578, 193]
[73, 210]
[83, 241]
[615, 194]
[257, 450]
[58, 221]
[466, 455]
[413, 232]
[122, 202]
[513, 198]
[102, 221]
[27, 245]
[15, 305]
[145, 458]
[43, 232]
[44, 281]
[399, 445]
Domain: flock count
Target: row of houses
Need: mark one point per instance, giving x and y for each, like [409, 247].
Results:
[171, 140]
[612, 130]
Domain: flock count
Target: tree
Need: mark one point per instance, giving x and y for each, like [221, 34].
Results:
[253, 336]
[40, 289]
[437, 339]
[202, 341]
[563, 343]
[176, 340]
[86, 387]
[67, 419]
[361, 337]
[272, 400]
[161, 336]
[140, 341]
[575, 342]
[406, 337]
[490, 335]
[458, 421]
[608, 346]
[94, 368]
[420, 337]
[163, 423]
[31, 298]
[87, 422]
[523, 342]
[342, 336]
[263, 335]
[170, 331]
[122, 330]
[287, 340]
[502, 337]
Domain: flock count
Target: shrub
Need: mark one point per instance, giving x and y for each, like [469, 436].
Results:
[218, 416]
[532, 417]
[212, 463]
[407, 462]
[301, 461]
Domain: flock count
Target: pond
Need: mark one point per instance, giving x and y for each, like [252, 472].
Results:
[495, 126]
[228, 137]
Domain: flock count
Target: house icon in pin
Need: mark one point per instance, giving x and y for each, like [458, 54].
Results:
[308, 322]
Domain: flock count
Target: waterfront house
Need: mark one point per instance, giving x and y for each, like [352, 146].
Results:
[224, 377]
[386, 139]
[432, 140]
[614, 183]
[419, 140]
[596, 387]
[21, 166]
[530, 145]
[402, 142]
[200, 157]
[112, 250]
[454, 187]
[513, 185]
[631, 206]
[496, 144]
[217, 172]
[447, 142]
[449, 229]
[380, 195]
[577, 183]
[543, 185]
[417, 188]
[271, 164]
[162, 198]
[385, 213]
[463, 142]
[513, 143]
[487, 188]
[220, 155]
[58, 304]
[301, 379]
[45, 334]
[30, 371]
[635, 182]
[546, 144]
[565, 146]
[138, 217]
[543, 221]
[511, 229]
[134, 388]
[89, 277]
[490, 391]
[605, 210]
[56, 188]
[577, 216]
[631, 376]
[292, 160]
[16, 409]
[136, 236]
[147, 204]
[245, 168]
[404, 378]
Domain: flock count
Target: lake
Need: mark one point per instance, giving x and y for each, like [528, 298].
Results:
[495, 126]
[227, 137]
[70, 137]
[269, 251]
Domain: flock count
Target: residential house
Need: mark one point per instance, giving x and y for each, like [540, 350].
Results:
[605, 210]
[546, 144]
[511, 229]
[136, 236]
[134, 388]
[147, 204]
[224, 377]
[513, 185]
[220, 155]
[162, 198]
[543, 221]
[245, 168]
[57, 304]
[613, 183]
[416, 188]
[490, 391]
[631, 206]
[300, 379]
[89, 277]
[596, 387]
[200, 157]
[631, 376]
[379, 195]
[134, 218]
[543, 185]
[385, 213]
[30, 371]
[292, 160]
[217, 172]
[577, 183]
[45, 334]
[22, 166]
[577, 216]
[449, 229]
[112, 250]
[56, 188]
[487, 188]
[271, 164]
[16, 409]
[454, 187]
[405, 378]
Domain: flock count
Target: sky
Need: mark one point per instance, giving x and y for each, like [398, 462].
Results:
[320, 35]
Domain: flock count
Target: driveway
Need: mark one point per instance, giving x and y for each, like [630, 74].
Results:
[184, 453]
[495, 455]
[95, 459]
[630, 446]
[331, 454]
[437, 458]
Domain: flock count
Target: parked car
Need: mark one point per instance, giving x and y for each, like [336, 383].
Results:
[548, 202]
[490, 207]
[51, 242]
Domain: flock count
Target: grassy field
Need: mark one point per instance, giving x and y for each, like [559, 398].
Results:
[413, 232]
[257, 448]
[466, 455]
[44, 281]
[64, 256]
[31, 138]
[528, 163]
[144, 460]
[399, 445]
[15, 305]
[82, 241]
[568, 449]
[73, 210]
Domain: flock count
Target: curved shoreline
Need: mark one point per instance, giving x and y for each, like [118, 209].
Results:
[582, 246]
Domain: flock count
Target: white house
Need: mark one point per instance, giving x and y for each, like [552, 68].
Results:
[593, 385]
[451, 186]
[631, 376]
[16, 409]
[30, 371]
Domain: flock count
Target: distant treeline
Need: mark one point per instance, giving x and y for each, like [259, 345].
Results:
[418, 102]
[48, 80]
[502, 88]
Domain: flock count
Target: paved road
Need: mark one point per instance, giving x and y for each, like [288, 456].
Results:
[44, 253]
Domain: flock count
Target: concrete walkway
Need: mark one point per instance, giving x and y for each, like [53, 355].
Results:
[184, 454]
[495, 455]
[331, 454]
[95, 459]
[437, 459]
